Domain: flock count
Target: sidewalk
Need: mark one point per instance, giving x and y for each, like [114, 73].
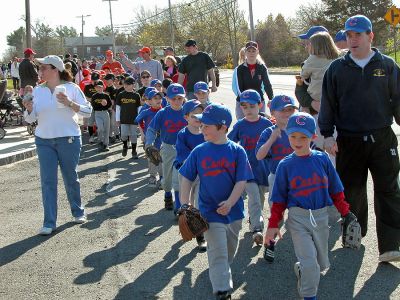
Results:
[16, 145]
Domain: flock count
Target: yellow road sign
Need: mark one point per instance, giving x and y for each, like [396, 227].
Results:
[393, 15]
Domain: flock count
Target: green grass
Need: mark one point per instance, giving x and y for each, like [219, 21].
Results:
[9, 84]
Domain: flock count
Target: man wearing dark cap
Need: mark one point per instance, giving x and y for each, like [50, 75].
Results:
[169, 51]
[360, 99]
[89, 91]
[198, 66]
[28, 73]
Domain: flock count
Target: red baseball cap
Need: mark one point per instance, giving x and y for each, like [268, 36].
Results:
[145, 50]
[29, 51]
[85, 72]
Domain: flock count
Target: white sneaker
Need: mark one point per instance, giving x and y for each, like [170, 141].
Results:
[390, 256]
[152, 182]
[80, 220]
[45, 231]
[91, 139]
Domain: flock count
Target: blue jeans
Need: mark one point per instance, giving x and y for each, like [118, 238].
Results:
[63, 152]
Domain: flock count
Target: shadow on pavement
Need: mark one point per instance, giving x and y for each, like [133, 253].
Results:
[385, 280]
[13, 251]
[126, 249]
[153, 280]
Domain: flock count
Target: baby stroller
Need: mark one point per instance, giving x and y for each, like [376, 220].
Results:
[3, 86]
[8, 112]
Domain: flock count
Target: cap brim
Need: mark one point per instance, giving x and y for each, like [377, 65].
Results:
[298, 129]
[251, 101]
[40, 61]
[202, 90]
[356, 29]
[303, 36]
[174, 95]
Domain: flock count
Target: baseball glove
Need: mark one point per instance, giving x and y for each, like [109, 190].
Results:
[153, 154]
[351, 232]
[191, 223]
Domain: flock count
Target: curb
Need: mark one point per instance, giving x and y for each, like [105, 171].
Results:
[18, 156]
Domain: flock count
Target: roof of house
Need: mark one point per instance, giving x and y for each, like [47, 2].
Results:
[88, 41]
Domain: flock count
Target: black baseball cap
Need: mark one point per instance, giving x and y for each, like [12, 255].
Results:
[109, 77]
[95, 76]
[129, 80]
[99, 82]
[169, 48]
[190, 43]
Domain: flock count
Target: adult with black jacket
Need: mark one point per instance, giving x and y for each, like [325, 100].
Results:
[252, 74]
[28, 73]
[360, 98]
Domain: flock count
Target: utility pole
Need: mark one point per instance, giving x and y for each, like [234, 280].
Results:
[171, 25]
[28, 24]
[251, 20]
[83, 43]
[112, 27]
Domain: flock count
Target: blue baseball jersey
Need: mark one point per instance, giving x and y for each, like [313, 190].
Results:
[248, 133]
[306, 181]
[279, 150]
[168, 122]
[146, 116]
[185, 143]
[219, 167]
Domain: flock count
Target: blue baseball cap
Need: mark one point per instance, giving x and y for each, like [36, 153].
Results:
[311, 31]
[301, 122]
[340, 36]
[190, 106]
[200, 86]
[215, 114]
[250, 96]
[153, 93]
[154, 82]
[358, 23]
[175, 89]
[279, 102]
[148, 90]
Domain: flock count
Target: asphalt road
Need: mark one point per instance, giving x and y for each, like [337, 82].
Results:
[130, 247]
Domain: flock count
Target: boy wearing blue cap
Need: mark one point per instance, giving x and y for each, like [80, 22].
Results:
[144, 119]
[306, 183]
[247, 131]
[202, 92]
[340, 40]
[360, 99]
[223, 169]
[188, 138]
[168, 122]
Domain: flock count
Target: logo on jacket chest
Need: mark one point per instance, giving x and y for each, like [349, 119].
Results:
[379, 73]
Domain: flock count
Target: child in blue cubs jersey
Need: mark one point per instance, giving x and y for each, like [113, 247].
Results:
[273, 144]
[188, 138]
[223, 169]
[306, 183]
[247, 131]
[202, 92]
[143, 119]
[168, 122]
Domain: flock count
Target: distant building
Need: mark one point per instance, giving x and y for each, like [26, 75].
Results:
[95, 46]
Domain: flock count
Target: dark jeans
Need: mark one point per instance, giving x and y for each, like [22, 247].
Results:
[15, 83]
[378, 154]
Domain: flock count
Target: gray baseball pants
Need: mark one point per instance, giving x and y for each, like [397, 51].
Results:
[168, 155]
[103, 126]
[310, 232]
[222, 242]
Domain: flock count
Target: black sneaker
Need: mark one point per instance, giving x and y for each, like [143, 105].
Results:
[223, 296]
[112, 139]
[106, 148]
[201, 243]
[169, 203]
[134, 155]
[124, 151]
[269, 252]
